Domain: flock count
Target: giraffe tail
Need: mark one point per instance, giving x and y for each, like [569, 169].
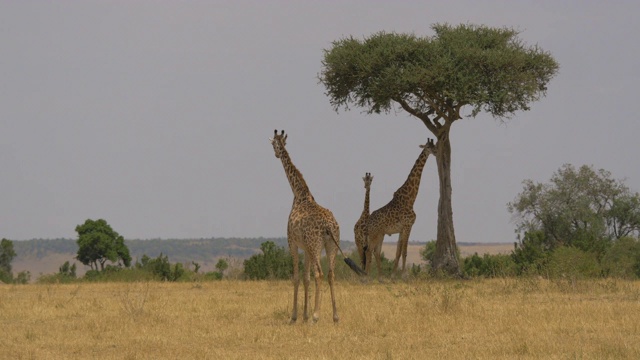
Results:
[352, 265]
[364, 256]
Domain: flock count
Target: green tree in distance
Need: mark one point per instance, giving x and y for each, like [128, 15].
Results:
[6, 256]
[433, 79]
[221, 266]
[583, 208]
[99, 243]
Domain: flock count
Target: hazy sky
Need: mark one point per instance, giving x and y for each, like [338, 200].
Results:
[155, 115]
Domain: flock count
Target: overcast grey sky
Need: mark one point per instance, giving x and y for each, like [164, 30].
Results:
[155, 115]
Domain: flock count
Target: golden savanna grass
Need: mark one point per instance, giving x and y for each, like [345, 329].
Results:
[414, 319]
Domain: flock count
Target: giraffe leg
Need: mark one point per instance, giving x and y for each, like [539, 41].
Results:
[296, 281]
[378, 253]
[398, 252]
[404, 250]
[331, 257]
[307, 281]
[368, 253]
[318, 277]
[403, 242]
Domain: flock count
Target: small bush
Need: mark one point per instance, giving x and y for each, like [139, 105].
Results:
[23, 277]
[274, 263]
[161, 268]
[488, 265]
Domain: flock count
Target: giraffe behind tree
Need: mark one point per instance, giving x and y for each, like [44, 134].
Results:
[310, 228]
[359, 228]
[397, 216]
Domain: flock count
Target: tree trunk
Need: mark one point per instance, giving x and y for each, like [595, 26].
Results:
[445, 257]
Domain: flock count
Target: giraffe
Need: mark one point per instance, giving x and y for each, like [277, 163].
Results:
[358, 229]
[310, 228]
[397, 216]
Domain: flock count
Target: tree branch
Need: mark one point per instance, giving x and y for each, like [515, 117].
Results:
[431, 125]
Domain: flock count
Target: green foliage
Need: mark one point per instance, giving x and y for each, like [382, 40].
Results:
[531, 253]
[222, 265]
[490, 266]
[274, 263]
[23, 277]
[68, 270]
[161, 268]
[6, 277]
[427, 253]
[99, 243]
[212, 275]
[6, 255]
[573, 264]
[623, 259]
[66, 274]
[582, 208]
[487, 68]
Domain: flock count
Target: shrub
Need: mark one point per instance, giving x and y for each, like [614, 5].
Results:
[66, 274]
[23, 277]
[161, 268]
[572, 263]
[274, 263]
[531, 254]
[622, 259]
[488, 265]
[428, 251]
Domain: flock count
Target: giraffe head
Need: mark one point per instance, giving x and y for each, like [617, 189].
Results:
[368, 178]
[278, 142]
[429, 147]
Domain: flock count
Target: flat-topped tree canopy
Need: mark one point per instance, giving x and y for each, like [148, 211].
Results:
[433, 78]
[489, 69]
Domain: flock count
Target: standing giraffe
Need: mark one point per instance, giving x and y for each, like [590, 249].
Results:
[397, 216]
[310, 228]
[359, 228]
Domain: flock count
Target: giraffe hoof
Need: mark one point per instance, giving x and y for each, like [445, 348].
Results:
[336, 319]
[293, 321]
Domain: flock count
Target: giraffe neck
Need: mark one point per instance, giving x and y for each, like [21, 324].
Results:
[365, 211]
[298, 185]
[409, 190]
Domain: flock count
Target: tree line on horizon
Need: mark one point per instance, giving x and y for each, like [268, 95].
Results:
[582, 223]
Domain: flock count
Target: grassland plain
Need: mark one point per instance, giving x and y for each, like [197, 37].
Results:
[413, 319]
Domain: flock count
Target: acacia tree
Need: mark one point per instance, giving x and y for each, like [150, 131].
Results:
[433, 79]
[98, 242]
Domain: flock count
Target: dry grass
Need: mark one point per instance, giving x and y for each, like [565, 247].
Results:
[480, 319]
